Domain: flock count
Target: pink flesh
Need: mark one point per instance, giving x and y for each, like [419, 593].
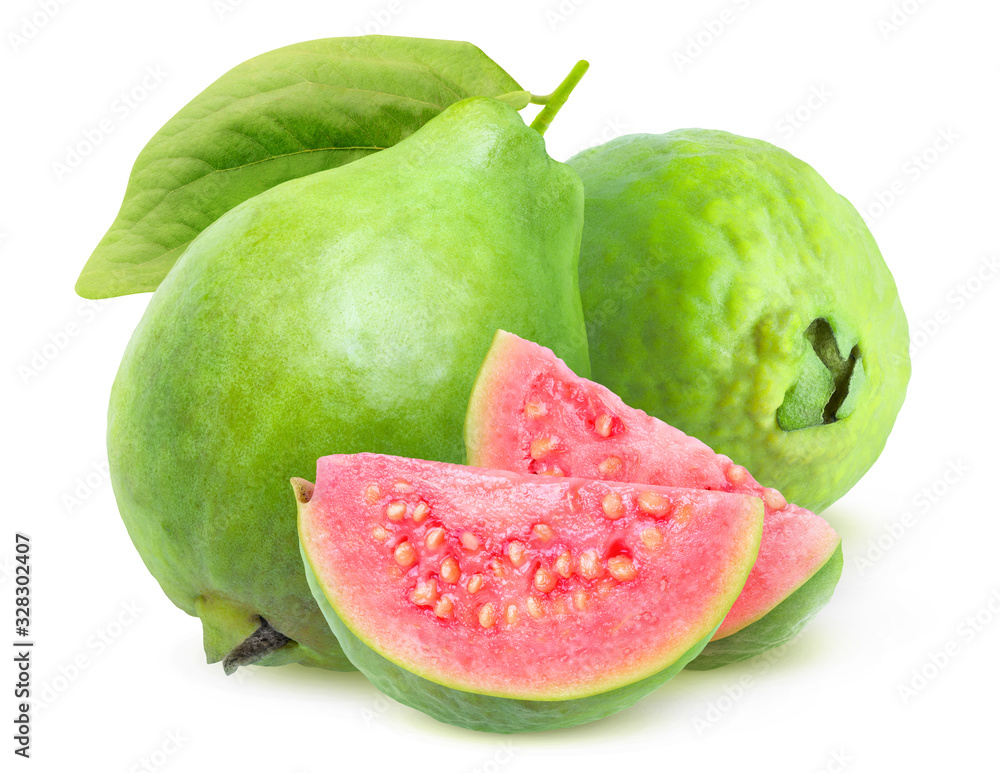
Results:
[626, 629]
[520, 375]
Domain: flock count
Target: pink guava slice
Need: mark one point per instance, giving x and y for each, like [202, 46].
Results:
[530, 413]
[507, 601]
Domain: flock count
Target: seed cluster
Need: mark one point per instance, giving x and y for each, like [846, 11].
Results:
[450, 571]
[545, 448]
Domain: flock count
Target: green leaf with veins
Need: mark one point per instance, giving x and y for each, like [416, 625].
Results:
[282, 115]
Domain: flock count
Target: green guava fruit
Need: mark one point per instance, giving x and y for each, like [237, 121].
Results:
[343, 311]
[508, 602]
[531, 414]
[730, 292]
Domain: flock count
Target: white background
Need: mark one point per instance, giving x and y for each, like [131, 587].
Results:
[119, 671]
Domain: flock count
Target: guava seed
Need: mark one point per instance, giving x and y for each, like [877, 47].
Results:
[434, 538]
[535, 410]
[487, 615]
[543, 531]
[774, 499]
[622, 568]
[541, 447]
[405, 554]
[516, 553]
[425, 594]
[654, 504]
[420, 512]
[590, 564]
[444, 607]
[545, 581]
[450, 571]
[651, 537]
[372, 494]
[475, 583]
[612, 505]
[395, 511]
[603, 425]
[610, 466]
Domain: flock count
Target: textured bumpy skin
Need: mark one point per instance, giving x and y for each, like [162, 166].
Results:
[570, 642]
[530, 413]
[731, 292]
[344, 311]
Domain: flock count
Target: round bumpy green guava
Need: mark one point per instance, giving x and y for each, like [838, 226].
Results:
[345, 311]
[729, 291]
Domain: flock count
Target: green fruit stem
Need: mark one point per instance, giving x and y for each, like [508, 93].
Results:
[554, 101]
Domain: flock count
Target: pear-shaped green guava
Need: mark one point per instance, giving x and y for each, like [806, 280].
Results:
[341, 312]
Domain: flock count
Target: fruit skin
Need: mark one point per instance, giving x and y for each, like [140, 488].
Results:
[487, 713]
[344, 311]
[706, 259]
[524, 393]
[500, 679]
[780, 625]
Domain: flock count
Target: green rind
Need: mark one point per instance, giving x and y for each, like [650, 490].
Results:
[284, 114]
[706, 256]
[475, 711]
[778, 626]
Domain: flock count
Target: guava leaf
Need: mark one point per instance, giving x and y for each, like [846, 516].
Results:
[288, 113]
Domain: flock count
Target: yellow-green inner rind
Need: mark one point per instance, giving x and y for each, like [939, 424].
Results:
[485, 712]
[780, 625]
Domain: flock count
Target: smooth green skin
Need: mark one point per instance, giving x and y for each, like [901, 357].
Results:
[780, 625]
[282, 115]
[477, 711]
[706, 257]
[342, 312]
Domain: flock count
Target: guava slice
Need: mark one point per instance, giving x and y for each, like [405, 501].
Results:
[507, 602]
[530, 413]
